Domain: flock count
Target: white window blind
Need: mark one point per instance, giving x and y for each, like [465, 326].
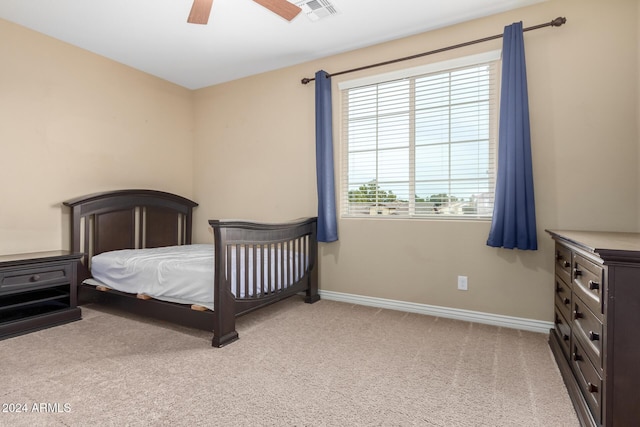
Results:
[422, 145]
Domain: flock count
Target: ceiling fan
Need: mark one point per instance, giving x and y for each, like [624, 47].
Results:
[201, 9]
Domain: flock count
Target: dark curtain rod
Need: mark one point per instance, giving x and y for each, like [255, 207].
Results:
[555, 23]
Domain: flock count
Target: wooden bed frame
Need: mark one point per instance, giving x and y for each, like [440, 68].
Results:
[134, 219]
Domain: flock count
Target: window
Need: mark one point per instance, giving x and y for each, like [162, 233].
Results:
[421, 142]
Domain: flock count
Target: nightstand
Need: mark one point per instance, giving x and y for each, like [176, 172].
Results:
[37, 290]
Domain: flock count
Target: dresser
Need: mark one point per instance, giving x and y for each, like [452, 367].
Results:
[37, 290]
[596, 336]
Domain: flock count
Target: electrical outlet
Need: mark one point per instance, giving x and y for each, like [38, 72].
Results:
[462, 283]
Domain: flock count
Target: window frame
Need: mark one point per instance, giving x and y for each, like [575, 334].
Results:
[493, 59]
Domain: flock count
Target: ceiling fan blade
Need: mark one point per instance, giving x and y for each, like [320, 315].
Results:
[281, 7]
[200, 11]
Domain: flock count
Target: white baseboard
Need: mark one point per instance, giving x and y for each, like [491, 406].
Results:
[446, 312]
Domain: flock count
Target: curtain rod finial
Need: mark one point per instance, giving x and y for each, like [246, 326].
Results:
[558, 21]
[305, 80]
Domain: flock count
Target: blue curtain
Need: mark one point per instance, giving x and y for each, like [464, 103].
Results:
[327, 224]
[514, 216]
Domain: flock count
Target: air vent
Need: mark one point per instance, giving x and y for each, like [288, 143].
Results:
[317, 9]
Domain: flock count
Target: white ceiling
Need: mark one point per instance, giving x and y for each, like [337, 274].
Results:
[242, 38]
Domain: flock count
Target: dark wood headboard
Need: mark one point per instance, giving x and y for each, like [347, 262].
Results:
[128, 219]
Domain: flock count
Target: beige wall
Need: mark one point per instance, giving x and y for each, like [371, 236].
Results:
[255, 149]
[74, 123]
[255, 155]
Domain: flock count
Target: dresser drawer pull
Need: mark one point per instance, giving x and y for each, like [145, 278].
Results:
[576, 272]
[594, 336]
[577, 314]
[576, 357]
[566, 264]
[593, 285]
[592, 388]
[35, 278]
[565, 337]
[566, 301]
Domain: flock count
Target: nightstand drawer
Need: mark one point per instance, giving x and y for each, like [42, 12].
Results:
[17, 280]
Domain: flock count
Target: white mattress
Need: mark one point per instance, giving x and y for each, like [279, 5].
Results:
[182, 274]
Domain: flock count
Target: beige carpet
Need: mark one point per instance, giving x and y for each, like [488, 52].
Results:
[326, 364]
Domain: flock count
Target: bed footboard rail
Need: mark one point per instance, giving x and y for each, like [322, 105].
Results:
[258, 264]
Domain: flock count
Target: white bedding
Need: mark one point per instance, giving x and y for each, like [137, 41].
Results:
[182, 274]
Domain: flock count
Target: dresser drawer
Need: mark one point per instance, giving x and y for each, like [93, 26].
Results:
[562, 330]
[563, 262]
[18, 280]
[563, 297]
[588, 329]
[588, 283]
[588, 379]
